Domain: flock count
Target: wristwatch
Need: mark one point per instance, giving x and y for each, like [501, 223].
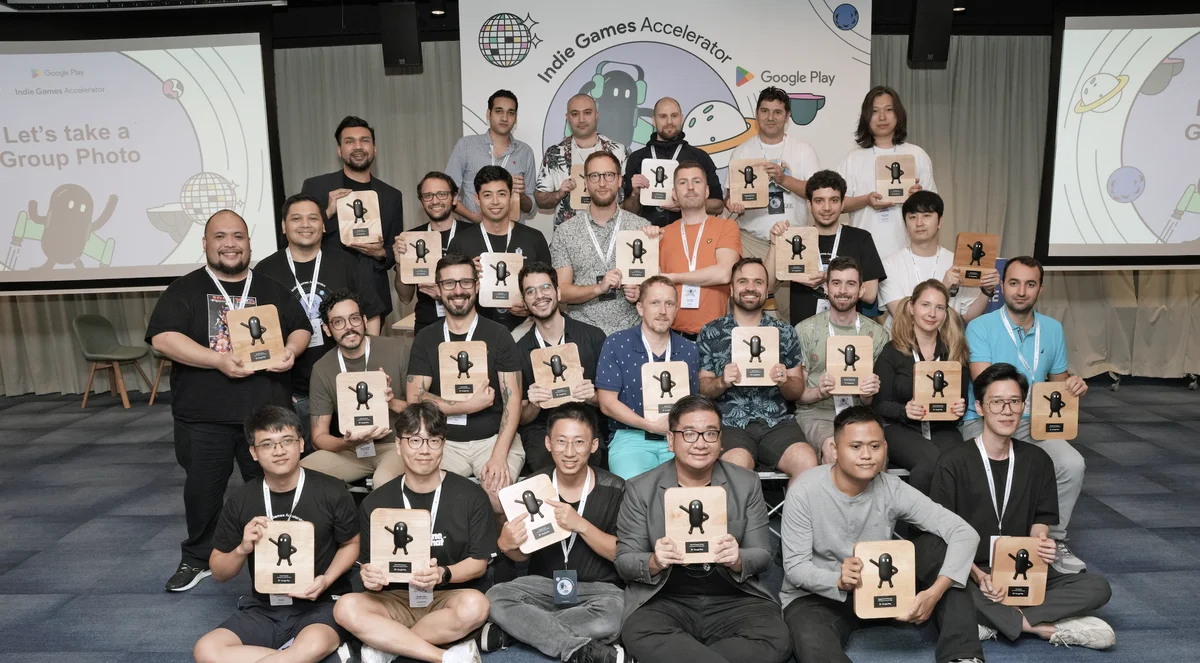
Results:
[445, 579]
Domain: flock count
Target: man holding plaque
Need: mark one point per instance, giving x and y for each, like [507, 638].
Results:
[212, 390]
[350, 456]
[264, 623]
[444, 602]
[584, 247]
[830, 509]
[569, 606]
[554, 182]
[1022, 501]
[757, 423]
[668, 142]
[1018, 335]
[539, 287]
[818, 406]
[438, 195]
[356, 149]
[497, 147]
[700, 613]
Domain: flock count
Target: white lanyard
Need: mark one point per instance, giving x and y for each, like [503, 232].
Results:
[654, 152]
[507, 238]
[650, 353]
[366, 357]
[1037, 344]
[587, 484]
[311, 298]
[857, 326]
[987, 467]
[437, 499]
[245, 290]
[542, 342]
[453, 230]
[492, 155]
[933, 275]
[470, 332]
[691, 259]
[837, 241]
[612, 241]
[295, 500]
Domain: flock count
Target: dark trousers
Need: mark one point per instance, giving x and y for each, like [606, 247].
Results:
[821, 627]
[1067, 595]
[207, 452]
[707, 629]
[907, 448]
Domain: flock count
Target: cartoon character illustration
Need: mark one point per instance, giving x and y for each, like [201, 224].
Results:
[1056, 403]
[749, 175]
[400, 536]
[421, 250]
[619, 96]
[887, 570]
[360, 212]
[977, 253]
[1023, 564]
[285, 548]
[557, 367]
[464, 364]
[256, 330]
[532, 504]
[798, 247]
[67, 231]
[660, 177]
[896, 172]
[851, 357]
[696, 515]
[639, 250]
[939, 383]
[362, 394]
[756, 348]
[666, 384]
[501, 268]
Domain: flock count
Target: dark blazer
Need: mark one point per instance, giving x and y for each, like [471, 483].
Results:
[641, 522]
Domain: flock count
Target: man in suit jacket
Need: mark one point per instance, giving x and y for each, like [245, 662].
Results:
[698, 613]
[356, 148]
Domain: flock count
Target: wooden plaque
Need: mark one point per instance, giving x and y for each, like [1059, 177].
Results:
[1017, 570]
[358, 218]
[529, 497]
[360, 401]
[937, 385]
[755, 351]
[284, 558]
[1055, 414]
[696, 518]
[498, 284]
[580, 200]
[400, 541]
[895, 174]
[797, 253]
[749, 183]
[975, 254]
[637, 256]
[889, 579]
[256, 335]
[464, 369]
[849, 359]
[664, 383]
[558, 369]
[661, 173]
[418, 265]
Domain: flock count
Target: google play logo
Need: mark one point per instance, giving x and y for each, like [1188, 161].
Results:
[35, 73]
[743, 76]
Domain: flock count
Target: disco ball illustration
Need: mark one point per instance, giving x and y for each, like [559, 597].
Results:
[205, 194]
[505, 39]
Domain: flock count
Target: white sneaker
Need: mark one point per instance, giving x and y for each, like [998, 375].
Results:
[463, 652]
[986, 633]
[373, 655]
[967, 660]
[1065, 561]
[1090, 632]
[622, 655]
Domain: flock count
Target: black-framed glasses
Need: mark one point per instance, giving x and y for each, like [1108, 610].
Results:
[580, 444]
[545, 287]
[270, 446]
[354, 320]
[440, 195]
[1014, 405]
[608, 177]
[691, 436]
[465, 284]
[415, 442]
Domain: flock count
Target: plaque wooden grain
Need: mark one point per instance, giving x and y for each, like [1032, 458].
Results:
[796, 258]
[696, 518]
[755, 351]
[529, 497]
[848, 375]
[358, 218]
[498, 285]
[1017, 571]
[975, 254]
[749, 183]
[1055, 414]
[889, 579]
[580, 200]
[256, 336]
[895, 174]
[937, 385]
[400, 541]
[558, 369]
[361, 401]
[664, 383]
[463, 367]
[661, 173]
[418, 265]
[637, 256]
[284, 558]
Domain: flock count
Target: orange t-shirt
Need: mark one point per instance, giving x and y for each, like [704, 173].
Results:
[719, 233]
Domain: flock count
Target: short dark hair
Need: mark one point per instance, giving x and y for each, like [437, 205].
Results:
[536, 267]
[576, 411]
[1027, 261]
[600, 154]
[689, 404]
[825, 179]
[337, 297]
[657, 279]
[296, 199]
[501, 94]
[450, 260]
[270, 418]
[409, 421]
[492, 174]
[689, 163]
[351, 121]
[438, 175]
[863, 135]
[855, 414]
[748, 260]
[774, 94]
[999, 373]
[843, 262]
[923, 202]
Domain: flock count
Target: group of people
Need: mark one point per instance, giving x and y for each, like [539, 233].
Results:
[635, 599]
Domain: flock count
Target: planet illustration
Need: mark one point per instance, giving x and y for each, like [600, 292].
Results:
[1126, 184]
[717, 127]
[1161, 76]
[172, 88]
[845, 17]
[1100, 93]
[805, 106]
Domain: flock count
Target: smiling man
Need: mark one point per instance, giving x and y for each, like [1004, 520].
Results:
[438, 195]
[555, 184]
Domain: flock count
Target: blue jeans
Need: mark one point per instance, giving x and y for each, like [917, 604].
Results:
[630, 453]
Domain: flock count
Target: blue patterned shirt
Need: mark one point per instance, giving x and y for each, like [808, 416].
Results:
[741, 405]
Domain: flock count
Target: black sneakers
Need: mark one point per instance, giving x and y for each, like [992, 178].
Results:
[492, 638]
[595, 652]
[186, 577]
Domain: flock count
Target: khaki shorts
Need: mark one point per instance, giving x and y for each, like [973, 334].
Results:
[817, 426]
[468, 458]
[385, 465]
[396, 604]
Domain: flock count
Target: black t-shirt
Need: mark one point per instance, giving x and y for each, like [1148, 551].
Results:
[465, 526]
[698, 580]
[324, 502]
[426, 307]
[603, 505]
[856, 243]
[589, 340]
[527, 241]
[502, 358]
[999, 477]
[338, 272]
[895, 371]
[656, 149]
[194, 307]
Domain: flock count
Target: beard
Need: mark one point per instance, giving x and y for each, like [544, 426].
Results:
[360, 167]
[440, 217]
[459, 310]
[837, 306]
[600, 201]
[749, 308]
[234, 270]
[354, 343]
[536, 316]
[1020, 309]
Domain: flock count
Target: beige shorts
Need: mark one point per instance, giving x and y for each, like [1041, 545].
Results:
[385, 465]
[817, 426]
[468, 458]
[396, 604]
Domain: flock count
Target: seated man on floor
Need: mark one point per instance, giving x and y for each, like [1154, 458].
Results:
[463, 541]
[698, 613]
[583, 625]
[831, 508]
[1023, 504]
[265, 623]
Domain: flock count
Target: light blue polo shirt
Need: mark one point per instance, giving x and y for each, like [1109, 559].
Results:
[990, 343]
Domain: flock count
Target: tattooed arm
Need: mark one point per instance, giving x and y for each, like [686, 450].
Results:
[416, 389]
[495, 472]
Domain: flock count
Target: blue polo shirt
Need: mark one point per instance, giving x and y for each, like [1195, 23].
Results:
[990, 343]
[620, 366]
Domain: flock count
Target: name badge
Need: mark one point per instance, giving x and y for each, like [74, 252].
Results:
[822, 305]
[926, 432]
[441, 309]
[317, 337]
[992, 551]
[775, 202]
[365, 450]
[280, 599]
[691, 297]
[566, 587]
[418, 598]
[456, 420]
[887, 214]
[841, 403]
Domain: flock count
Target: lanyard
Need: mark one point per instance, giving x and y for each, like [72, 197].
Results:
[295, 500]
[492, 154]
[310, 299]
[470, 332]
[933, 275]
[507, 238]
[762, 148]
[691, 259]
[366, 357]
[437, 499]
[650, 353]
[987, 467]
[587, 484]
[606, 258]
[654, 152]
[916, 350]
[857, 326]
[1037, 344]
[241, 303]
[453, 230]
[542, 342]
[837, 241]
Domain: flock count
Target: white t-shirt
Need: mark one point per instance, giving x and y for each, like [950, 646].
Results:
[800, 161]
[887, 225]
[905, 271]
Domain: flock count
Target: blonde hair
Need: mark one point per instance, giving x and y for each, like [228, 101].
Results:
[951, 332]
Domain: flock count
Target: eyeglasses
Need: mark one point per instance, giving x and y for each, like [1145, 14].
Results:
[339, 324]
[415, 442]
[608, 177]
[440, 195]
[1015, 405]
[270, 446]
[465, 284]
[545, 287]
[580, 444]
[691, 436]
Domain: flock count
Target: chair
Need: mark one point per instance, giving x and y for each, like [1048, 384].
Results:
[98, 340]
[163, 364]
